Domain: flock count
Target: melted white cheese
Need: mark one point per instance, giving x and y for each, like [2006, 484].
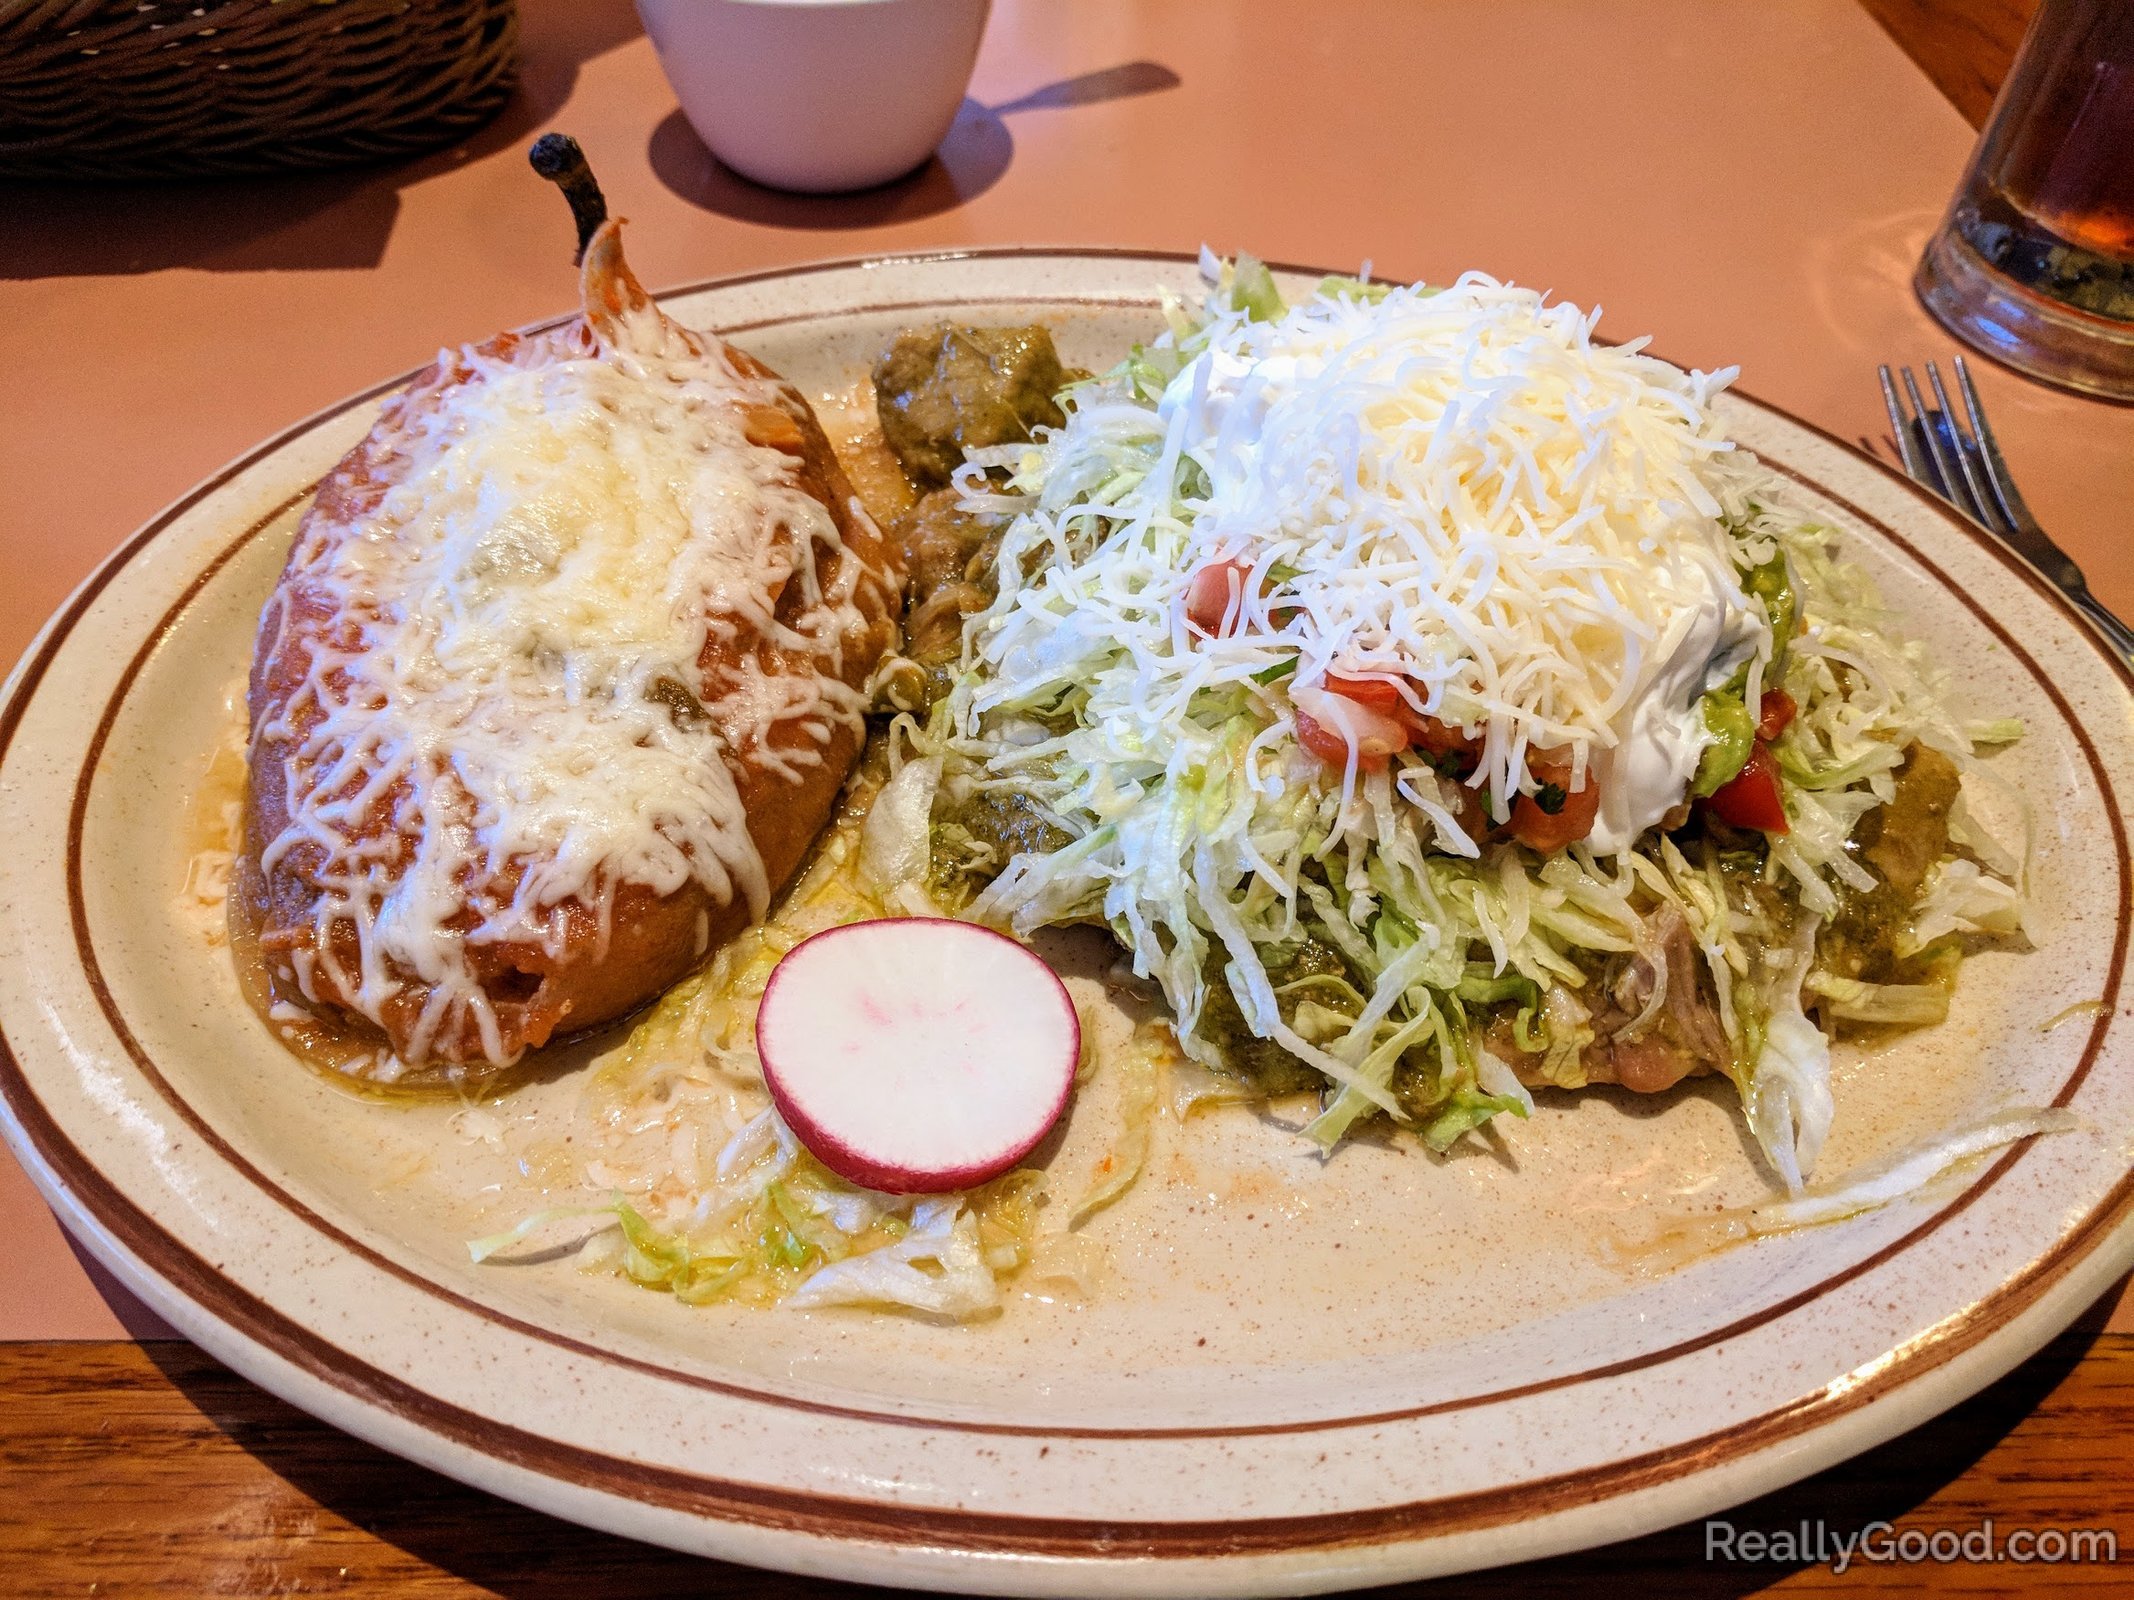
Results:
[527, 607]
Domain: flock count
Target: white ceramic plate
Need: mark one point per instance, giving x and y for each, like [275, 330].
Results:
[1301, 1375]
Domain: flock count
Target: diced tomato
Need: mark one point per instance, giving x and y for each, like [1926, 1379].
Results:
[1443, 742]
[1750, 799]
[1538, 828]
[1380, 694]
[1470, 813]
[1436, 739]
[1215, 596]
[1328, 745]
[1774, 715]
[1329, 725]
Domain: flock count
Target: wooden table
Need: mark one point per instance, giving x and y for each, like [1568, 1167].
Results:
[1761, 179]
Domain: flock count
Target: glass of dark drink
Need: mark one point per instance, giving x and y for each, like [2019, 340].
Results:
[2034, 264]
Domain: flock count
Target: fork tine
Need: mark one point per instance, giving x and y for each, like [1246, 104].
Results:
[1965, 449]
[1915, 466]
[2006, 500]
[1952, 485]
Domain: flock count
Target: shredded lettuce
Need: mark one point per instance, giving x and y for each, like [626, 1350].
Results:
[1912, 1172]
[1213, 848]
[1253, 291]
[938, 1267]
[773, 1224]
[479, 1250]
[1959, 898]
[896, 843]
[706, 1194]
[1895, 1005]
[2081, 1008]
[1995, 730]
[1141, 1067]
[1789, 1099]
[1908, 1171]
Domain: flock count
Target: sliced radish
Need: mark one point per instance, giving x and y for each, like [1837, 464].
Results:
[916, 1054]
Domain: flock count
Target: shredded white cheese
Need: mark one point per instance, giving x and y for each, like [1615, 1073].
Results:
[577, 553]
[1460, 491]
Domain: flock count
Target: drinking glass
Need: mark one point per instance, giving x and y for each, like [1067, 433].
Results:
[2034, 263]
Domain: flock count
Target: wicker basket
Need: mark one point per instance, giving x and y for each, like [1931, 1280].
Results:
[178, 88]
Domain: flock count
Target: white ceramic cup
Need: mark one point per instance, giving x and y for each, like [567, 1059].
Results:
[818, 95]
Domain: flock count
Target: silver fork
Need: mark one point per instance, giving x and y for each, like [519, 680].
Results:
[1966, 469]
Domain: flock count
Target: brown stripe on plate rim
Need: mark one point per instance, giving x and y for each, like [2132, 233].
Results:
[1930, 1351]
